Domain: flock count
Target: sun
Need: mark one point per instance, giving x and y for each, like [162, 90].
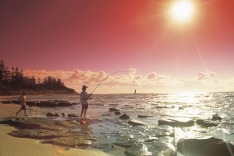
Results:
[182, 10]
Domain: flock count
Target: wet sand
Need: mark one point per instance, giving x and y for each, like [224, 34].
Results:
[12, 146]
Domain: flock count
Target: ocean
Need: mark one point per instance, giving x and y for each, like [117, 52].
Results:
[113, 130]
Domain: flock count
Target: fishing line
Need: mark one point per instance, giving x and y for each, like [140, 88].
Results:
[105, 79]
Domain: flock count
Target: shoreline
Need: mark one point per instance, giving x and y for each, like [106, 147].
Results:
[13, 146]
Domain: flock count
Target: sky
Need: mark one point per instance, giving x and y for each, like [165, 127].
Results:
[84, 41]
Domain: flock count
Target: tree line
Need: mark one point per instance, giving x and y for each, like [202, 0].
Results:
[13, 80]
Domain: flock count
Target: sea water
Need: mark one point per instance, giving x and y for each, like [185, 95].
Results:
[157, 106]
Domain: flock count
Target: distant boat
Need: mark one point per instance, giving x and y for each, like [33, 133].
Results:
[135, 91]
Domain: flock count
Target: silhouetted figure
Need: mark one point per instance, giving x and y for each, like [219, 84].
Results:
[23, 101]
[135, 91]
[84, 96]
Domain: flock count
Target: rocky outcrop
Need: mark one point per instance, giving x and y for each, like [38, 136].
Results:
[56, 132]
[51, 103]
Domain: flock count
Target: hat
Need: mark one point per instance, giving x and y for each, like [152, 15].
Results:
[84, 87]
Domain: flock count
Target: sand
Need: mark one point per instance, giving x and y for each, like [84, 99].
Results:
[12, 146]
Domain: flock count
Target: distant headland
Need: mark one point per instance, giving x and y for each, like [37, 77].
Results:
[13, 82]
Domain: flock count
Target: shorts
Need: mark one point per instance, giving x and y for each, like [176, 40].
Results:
[85, 106]
[23, 107]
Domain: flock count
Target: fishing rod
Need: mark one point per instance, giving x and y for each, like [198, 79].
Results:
[105, 79]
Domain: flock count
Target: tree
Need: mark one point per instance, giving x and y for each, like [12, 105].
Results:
[2, 68]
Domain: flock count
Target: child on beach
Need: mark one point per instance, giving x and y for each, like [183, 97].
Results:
[84, 96]
[23, 101]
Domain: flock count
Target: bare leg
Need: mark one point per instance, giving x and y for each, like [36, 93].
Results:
[25, 113]
[85, 112]
[18, 112]
[81, 112]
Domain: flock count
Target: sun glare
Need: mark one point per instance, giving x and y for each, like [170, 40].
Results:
[182, 10]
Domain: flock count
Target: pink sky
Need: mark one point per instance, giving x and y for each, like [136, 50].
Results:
[100, 37]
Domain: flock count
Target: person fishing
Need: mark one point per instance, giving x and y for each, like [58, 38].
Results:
[84, 97]
[23, 101]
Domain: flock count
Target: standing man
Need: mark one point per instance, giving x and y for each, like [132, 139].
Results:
[23, 101]
[84, 96]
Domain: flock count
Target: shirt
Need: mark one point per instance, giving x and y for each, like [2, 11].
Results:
[22, 100]
[84, 96]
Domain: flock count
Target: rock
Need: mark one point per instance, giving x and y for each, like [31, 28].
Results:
[39, 123]
[52, 114]
[216, 117]
[205, 123]
[183, 122]
[6, 102]
[151, 148]
[62, 103]
[58, 115]
[69, 142]
[113, 109]
[48, 104]
[117, 113]
[36, 133]
[65, 124]
[6, 121]
[124, 117]
[160, 107]
[22, 124]
[72, 115]
[64, 114]
[194, 146]
[57, 132]
[51, 103]
[218, 149]
[135, 123]
[33, 103]
[144, 116]
[125, 144]
[10, 102]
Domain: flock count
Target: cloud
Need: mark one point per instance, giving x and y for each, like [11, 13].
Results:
[206, 76]
[127, 81]
[151, 76]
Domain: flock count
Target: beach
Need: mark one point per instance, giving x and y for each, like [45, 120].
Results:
[12, 146]
[120, 125]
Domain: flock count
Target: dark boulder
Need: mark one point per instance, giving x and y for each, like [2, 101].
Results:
[205, 123]
[144, 116]
[52, 114]
[207, 146]
[124, 117]
[113, 109]
[216, 117]
[218, 149]
[176, 122]
[117, 113]
[72, 115]
[135, 123]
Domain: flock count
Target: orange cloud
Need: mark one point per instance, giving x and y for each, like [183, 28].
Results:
[127, 82]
